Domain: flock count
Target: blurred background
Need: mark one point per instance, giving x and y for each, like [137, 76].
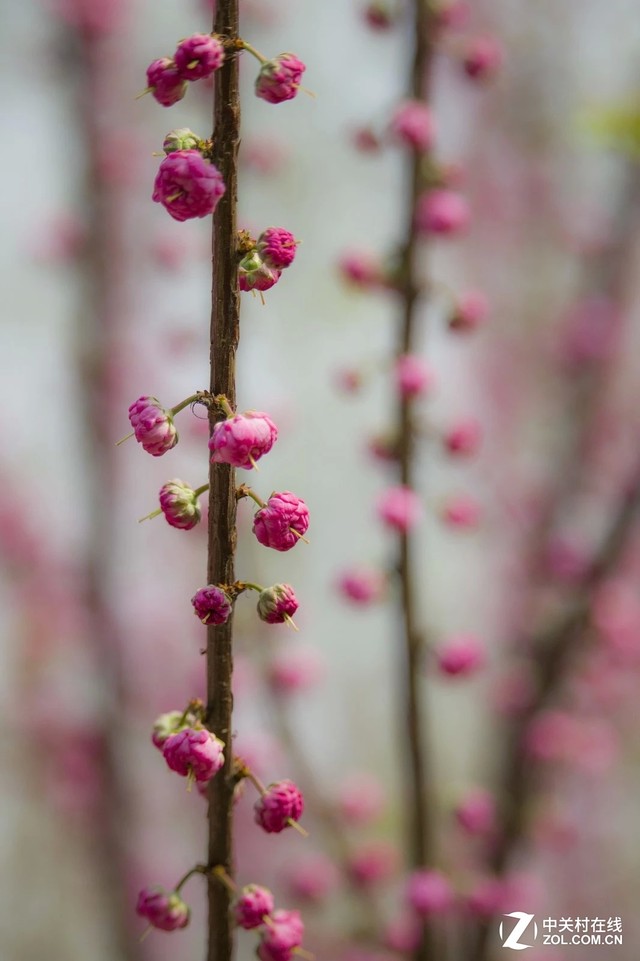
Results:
[106, 298]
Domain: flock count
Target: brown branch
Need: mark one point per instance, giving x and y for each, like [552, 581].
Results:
[419, 841]
[222, 533]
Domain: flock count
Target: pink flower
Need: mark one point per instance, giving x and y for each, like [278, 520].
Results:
[461, 656]
[277, 524]
[471, 310]
[399, 508]
[402, 934]
[253, 904]
[361, 799]
[283, 933]
[365, 140]
[362, 269]
[361, 585]
[312, 878]
[187, 185]
[243, 439]
[461, 510]
[378, 14]
[281, 803]
[486, 898]
[297, 669]
[153, 426]
[255, 274]
[167, 724]
[279, 79]
[179, 504]
[194, 752]
[372, 862]
[482, 58]
[277, 247]
[212, 605]
[454, 16]
[277, 604]
[199, 56]
[463, 438]
[442, 212]
[163, 910]
[412, 124]
[164, 82]
[428, 893]
[413, 376]
[476, 813]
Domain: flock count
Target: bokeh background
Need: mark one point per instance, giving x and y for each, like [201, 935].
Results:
[105, 298]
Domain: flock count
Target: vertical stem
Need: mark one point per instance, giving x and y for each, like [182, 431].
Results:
[224, 335]
[419, 841]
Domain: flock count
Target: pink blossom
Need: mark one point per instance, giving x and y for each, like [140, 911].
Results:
[187, 185]
[462, 511]
[212, 605]
[428, 893]
[254, 902]
[194, 752]
[163, 910]
[443, 212]
[167, 724]
[362, 585]
[361, 798]
[402, 934]
[378, 14]
[312, 878]
[372, 862]
[362, 269]
[383, 447]
[153, 426]
[243, 439]
[179, 504]
[552, 735]
[297, 669]
[255, 274]
[462, 438]
[486, 898]
[279, 938]
[199, 56]
[277, 247]
[366, 140]
[277, 604]
[165, 83]
[413, 125]
[461, 656]
[399, 508]
[482, 58]
[470, 311]
[279, 79]
[282, 522]
[414, 377]
[454, 15]
[476, 813]
[281, 803]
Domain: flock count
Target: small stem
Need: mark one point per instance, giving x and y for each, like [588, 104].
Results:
[123, 439]
[248, 586]
[290, 623]
[297, 534]
[253, 464]
[224, 405]
[248, 492]
[148, 517]
[201, 490]
[297, 827]
[185, 403]
[257, 783]
[243, 45]
[229, 884]
[197, 869]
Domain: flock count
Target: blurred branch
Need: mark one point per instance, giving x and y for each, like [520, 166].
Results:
[419, 843]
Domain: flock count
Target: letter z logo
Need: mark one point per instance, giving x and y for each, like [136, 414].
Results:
[523, 922]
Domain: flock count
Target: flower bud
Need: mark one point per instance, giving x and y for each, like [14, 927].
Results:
[254, 902]
[281, 803]
[180, 139]
[163, 910]
[212, 605]
[179, 504]
[194, 752]
[164, 82]
[243, 439]
[277, 604]
[199, 56]
[279, 79]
